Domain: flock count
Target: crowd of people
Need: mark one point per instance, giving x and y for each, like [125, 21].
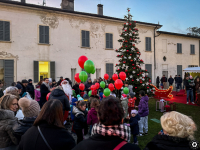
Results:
[37, 118]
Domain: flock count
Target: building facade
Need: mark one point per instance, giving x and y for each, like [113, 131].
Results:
[38, 42]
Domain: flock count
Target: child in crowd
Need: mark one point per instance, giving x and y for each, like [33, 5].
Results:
[131, 102]
[124, 103]
[80, 119]
[92, 114]
[37, 93]
[134, 125]
[143, 111]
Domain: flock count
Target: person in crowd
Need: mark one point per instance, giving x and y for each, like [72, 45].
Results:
[133, 123]
[30, 88]
[189, 89]
[37, 93]
[124, 103]
[130, 87]
[1, 89]
[92, 114]
[30, 109]
[143, 111]
[54, 83]
[67, 89]
[179, 82]
[164, 82]
[112, 93]
[24, 84]
[70, 82]
[197, 88]
[95, 81]
[98, 81]
[76, 88]
[50, 83]
[44, 90]
[80, 120]
[13, 84]
[19, 87]
[74, 101]
[109, 133]
[8, 108]
[157, 82]
[88, 85]
[59, 82]
[171, 81]
[48, 127]
[40, 83]
[59, 94]
[131, 103]
[176, 134]
[12, 90]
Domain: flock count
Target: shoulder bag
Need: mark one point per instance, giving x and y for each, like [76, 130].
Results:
[44, 138]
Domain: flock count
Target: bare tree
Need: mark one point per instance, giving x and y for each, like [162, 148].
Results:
[195, 31]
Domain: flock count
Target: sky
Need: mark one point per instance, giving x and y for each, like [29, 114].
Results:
[174, 15]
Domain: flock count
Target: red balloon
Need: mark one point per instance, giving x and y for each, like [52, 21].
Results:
[122, 75]
[81, 87]
[106, 76]
[82, 60]
[93, 87]
[115, 77]
[118, 84]
[97, 85]
[76, 77]
[47, 97]
[111, 87]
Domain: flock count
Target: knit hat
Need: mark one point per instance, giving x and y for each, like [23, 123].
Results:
[131, 94]
[18, 86]
[50, 80]
[30, 80]
[85, 96]
[25, 81]
[79, 98]
[134, 111]
[30, 108]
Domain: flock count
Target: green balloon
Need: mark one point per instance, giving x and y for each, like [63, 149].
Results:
[83, 76]
[90, 93]
[126, 90]
[89, 66]
[94, 71]
[103, 84]
[106, 92]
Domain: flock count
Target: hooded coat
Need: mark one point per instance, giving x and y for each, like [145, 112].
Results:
[23, 89]
[92, 117]
[60, 95]
[134, 124]
[7, 121]
[124, 103]
[80, 120]
[73, 105]
[143, 107]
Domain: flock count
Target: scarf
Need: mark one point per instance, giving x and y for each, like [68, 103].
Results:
[47, 85]
[124, 132]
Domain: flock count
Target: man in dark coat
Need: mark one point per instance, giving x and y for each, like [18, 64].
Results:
[1, 90]
[30, 89]
[157, 82]
[171, 81]
[24, 84]
[44, 90]
[164, 82]
[61, 78]
[179, 82]
[189, 84]
[76, 88]
[88, 85]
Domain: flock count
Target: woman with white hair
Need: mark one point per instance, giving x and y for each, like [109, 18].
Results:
[178, 131]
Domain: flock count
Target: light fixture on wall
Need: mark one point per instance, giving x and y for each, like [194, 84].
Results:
[164, 58]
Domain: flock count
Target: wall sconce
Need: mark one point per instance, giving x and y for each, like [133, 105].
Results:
[164, 58]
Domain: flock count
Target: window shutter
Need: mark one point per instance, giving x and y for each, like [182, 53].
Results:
[180, 48]
[146, 40]
[149, 44]
[36, 71]
[179, 70]
[111, 41]
[46, 34]
[41, 34]
[87, 39]
[107, 40]
[83, 38]
[1, 30]
[109, 69]
[148, 67]
[52, 69]
[8, 72]
[7, 31]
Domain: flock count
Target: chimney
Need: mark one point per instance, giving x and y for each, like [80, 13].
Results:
[67, 5]
[100, 9]
[23, 1]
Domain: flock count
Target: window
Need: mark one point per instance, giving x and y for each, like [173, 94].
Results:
[179, 48]
[4, 31]
[179, 70]
[85, 38]
[98, 73]
[148, 67]
[189, 66]
[73, 72]
[109, 41]
[109, 69]
[192, 49]
[148, 43]
[44, 34]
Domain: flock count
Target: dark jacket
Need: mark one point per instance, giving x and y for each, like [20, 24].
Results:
[57, 138]
[30, 90]
[187, 85]
[7, 121]
[164, 142]
[80, 120]
[157, 80]
[92, 117]
[100, 142]
[59, 82]
[134, 124]
[179, 80]
[23, 89]
[76, 88]
[22, 126]
[176, 79]
[163, 79]
[60, 95]
[87, 86]
[73, 104]
[171, 80]
[143, 107]
[44, 91]
[1, 93]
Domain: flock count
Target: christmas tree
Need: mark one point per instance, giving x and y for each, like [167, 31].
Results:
[129, 58]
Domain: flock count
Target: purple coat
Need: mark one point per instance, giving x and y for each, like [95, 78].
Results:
[92, 117]
[143, 107]
[37, 95]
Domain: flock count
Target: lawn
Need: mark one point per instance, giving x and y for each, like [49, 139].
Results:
[154, 128]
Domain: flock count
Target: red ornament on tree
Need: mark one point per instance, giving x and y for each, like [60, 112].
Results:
[132, 80]
[125, 30]
[130, 54]
[147, 87]
[127, 50]
[132, 64]
[133, 67]
[136, 87]
[133, 44]
[133, 32]
[130, 24]
[138, 74]
[130, 38]
[124, 62]
[131, 60]
[126, 46]
[126, 70]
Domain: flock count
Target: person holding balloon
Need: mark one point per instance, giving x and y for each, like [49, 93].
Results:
[88, 85]
[131, 103]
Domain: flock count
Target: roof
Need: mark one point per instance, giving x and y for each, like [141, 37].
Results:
[71, 12]
[178, 34]
[192, 69]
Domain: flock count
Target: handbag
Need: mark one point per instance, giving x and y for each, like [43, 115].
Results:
[44, 138]
[120, 145]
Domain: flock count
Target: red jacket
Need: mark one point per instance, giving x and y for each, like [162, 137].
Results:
[131, 102]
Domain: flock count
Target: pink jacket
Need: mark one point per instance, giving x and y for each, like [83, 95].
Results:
[37, 95]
